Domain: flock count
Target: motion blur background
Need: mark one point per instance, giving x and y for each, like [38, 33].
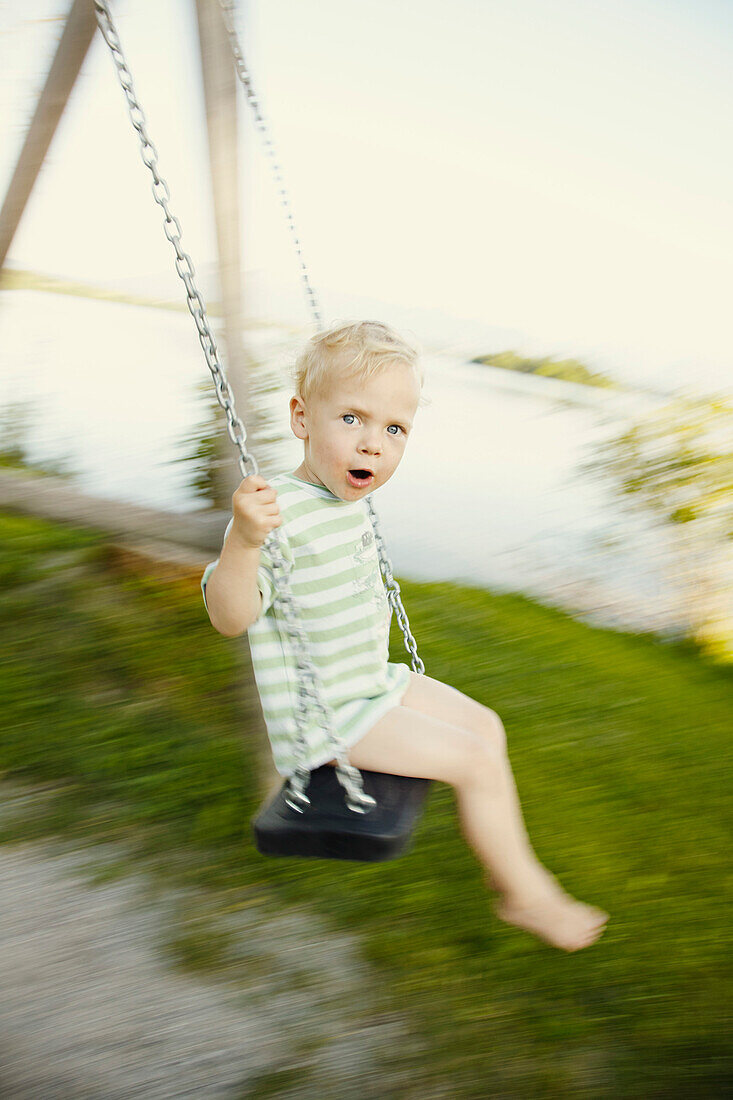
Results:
[540, 194]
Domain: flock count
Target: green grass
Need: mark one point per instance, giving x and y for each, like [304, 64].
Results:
[118, 694]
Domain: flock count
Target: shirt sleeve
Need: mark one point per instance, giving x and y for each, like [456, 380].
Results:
[265, 572]
[212, 565]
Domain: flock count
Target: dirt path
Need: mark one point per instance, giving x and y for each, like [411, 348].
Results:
[92, 1009]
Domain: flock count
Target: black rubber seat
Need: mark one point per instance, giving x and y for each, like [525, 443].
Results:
[328, 829]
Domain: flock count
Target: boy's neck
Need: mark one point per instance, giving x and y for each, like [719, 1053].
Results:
[303, 474]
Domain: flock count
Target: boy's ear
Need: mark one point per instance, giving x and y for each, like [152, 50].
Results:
[297, 417]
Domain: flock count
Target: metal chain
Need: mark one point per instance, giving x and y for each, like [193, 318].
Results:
[243, 74]
[393, 593]
[310, 693]
[393, 588]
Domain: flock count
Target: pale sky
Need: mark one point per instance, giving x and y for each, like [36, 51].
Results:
[563, 168]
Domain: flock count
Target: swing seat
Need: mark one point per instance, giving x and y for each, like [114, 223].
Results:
[328, 829]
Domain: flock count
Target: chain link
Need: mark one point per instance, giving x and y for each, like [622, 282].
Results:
[393, 593]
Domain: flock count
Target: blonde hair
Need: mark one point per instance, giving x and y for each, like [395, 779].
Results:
[353, 349]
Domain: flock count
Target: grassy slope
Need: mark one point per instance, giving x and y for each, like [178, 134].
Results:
[119, 691]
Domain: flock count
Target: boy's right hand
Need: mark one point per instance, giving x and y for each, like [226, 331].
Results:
[255, 511]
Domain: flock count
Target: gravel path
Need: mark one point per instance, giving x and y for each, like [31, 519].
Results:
[91, 1008]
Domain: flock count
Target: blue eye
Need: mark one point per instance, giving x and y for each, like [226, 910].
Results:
[399, 429]
[347, 414]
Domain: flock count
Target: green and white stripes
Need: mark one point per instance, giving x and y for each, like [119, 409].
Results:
[336, 581]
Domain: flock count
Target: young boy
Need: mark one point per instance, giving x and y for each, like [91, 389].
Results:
[358, 387]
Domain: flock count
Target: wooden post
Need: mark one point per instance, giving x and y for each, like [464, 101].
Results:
[72, 49]
[220, 94]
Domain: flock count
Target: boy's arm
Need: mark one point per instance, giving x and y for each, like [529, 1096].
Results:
[238, 581]
[232, 597]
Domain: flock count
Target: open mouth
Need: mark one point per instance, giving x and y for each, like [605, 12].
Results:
[360, 478]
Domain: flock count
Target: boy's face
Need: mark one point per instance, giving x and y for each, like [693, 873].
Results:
[356, 426]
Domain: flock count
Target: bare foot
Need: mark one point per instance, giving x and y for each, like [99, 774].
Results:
[556, 918]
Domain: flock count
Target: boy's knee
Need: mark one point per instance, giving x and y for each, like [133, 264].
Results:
[494, 732]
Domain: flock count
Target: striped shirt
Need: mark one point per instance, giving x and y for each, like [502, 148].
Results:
[334, 576]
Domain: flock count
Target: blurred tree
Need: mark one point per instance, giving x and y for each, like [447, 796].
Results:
[201, 449]
[675, 464]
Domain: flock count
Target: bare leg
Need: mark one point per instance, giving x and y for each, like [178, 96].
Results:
[407, 742]
[531, 897]
[545, 899]
[492, 822]
[438, 700]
